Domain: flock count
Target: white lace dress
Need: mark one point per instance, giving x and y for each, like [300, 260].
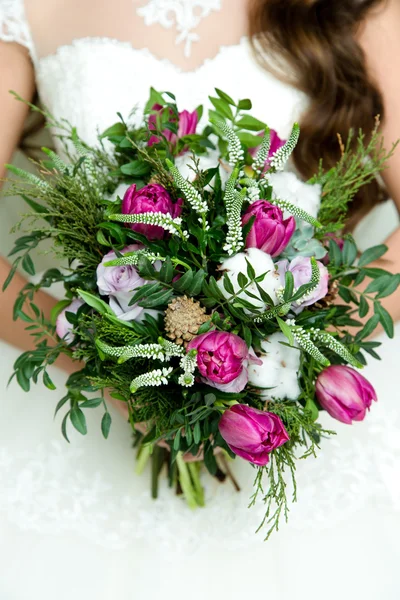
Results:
[75, 520]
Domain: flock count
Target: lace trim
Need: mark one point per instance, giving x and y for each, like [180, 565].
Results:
[14, 26]
[182, 14]
[87, 41]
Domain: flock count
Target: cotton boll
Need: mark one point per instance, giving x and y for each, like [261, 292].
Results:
[261, 263]
[279, 369]
[119, 192]
[287, 186]
[185, 165]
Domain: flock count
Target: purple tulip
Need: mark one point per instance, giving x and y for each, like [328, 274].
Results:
[150, 198]
[276, 143]
[63, 326]
[251, 433]
[118, 283]
[222, 360]
[344, 393]
[269, 232]
[187, 124]
[300, 268]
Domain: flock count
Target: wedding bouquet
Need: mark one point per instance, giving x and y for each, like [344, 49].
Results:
[207, 287]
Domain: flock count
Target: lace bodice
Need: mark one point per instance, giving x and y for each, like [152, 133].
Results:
[86, 75]
[93, 65]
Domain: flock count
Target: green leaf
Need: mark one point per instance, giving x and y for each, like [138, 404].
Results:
[368, 328]
[106, 424]
[209, 399]
[363, 308]
[61, 403]
[381, 283]
[78, 420]
[385, 319]
[22, 380]
[157, 299]
[145, 290]
[91, 403]
[27, 265]
[289, 286]
[177, 440]
[146, 268]
[222, 108]
[349, 252]
[225, 97]
[312, 407]
[64, 426]
[135, 168]
[249, 140]
[47, 381]
[184, 282]
[209, 458]
[228, 284]
[286, 330]
[197, 283]
[264, 296]
[391, 287]
[252, 124]
[245, 104]
[11, 274]
[250, 271]
[214, 289]
[167, 271]
[95, 302]
[372, 254]
[248, 336]
[57, 309]
[242, 280]
[197, 433]
[335, 253]
[117, 129]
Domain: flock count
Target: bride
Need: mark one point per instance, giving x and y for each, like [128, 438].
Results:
[75, 520]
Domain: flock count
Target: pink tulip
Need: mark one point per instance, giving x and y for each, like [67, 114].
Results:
[150, 198]
[344, 393]
[269, 232]
[187, 124]
[222, 360]
[251, 433]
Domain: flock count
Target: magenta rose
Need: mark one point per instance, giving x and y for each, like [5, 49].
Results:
[301, 270]
[150, 198]
[344, 393]
[63, 326]
[252, 434]
[269, 232]
[187, 124]
[222, 360]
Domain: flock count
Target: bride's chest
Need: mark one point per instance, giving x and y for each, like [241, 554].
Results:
[89, 81]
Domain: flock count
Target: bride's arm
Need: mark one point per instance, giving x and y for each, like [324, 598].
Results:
[380, 40]
[16, 73]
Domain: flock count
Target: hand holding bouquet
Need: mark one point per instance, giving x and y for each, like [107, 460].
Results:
[207, 287]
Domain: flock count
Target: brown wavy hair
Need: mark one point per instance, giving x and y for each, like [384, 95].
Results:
[313, 46]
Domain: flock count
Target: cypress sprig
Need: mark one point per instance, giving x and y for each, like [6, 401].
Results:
[282, 155]
[151, 379]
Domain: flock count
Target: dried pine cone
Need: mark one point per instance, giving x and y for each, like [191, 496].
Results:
[329, 299]
[183, 318]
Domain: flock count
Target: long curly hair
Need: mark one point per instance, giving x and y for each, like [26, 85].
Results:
[313, 46]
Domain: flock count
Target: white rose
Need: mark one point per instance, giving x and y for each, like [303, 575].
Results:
[279, 369]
